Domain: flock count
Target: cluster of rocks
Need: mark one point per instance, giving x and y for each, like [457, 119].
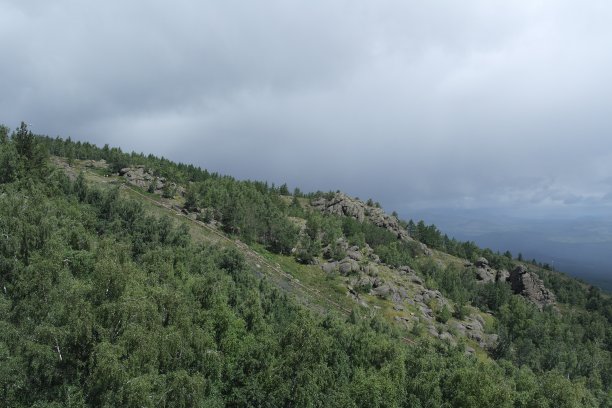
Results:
[523, 282]
[473, 328]
[407, 290]
[343, 205]
[96, 164]
[356, 260]
[529, 285]
[486, 274]
[139, 176]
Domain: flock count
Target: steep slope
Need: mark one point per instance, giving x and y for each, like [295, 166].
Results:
[234, 293]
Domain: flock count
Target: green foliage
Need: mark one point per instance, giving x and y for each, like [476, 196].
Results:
[102, 304]
[4, 134]
[22, 156]
[443, 314]
[10, 165]
[169, 190]
[397, 253]
[492, 295]
[308, 249]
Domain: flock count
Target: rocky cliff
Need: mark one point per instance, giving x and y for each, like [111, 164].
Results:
[529, 285]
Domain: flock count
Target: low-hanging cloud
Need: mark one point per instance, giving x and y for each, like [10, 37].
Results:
[412, 103]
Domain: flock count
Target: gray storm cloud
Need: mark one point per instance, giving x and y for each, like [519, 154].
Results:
[413, 103]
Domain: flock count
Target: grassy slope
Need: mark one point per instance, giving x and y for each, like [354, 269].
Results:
[308, 284]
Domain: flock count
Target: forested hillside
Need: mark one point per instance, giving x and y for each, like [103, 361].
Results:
[105, 302]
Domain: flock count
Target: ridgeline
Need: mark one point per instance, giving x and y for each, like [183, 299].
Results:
[129, 280]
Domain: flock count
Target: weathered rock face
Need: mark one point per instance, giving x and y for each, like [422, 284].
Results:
[484, 273]
[529, 285]
[343, 205]
[482, 262]
[502, 275]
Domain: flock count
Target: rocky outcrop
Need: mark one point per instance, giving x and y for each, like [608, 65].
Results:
[141, 177]
[502, 275]
[484, 273]
[530, 286]
[96, 164]
[343, 205]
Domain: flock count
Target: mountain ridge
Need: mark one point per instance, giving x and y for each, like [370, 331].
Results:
[206, 290]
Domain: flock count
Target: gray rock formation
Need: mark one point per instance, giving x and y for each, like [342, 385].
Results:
[329, 267]
[482, 262]
[530, 286]
[502, 275]
[485, 275]
[348, 266]
[141, 177]
[343, 205]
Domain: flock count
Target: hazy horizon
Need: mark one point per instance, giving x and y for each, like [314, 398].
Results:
[483, 112]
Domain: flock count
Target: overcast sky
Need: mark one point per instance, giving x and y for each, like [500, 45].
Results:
[414, 103]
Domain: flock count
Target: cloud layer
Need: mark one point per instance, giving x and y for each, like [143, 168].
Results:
[416, 104]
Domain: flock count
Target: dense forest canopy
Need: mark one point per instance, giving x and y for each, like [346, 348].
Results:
[104, 304]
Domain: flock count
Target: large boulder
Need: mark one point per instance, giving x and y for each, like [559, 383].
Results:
[348, 266]
[329, 267]
[530, 286]
[482, 262]
[485, 275]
